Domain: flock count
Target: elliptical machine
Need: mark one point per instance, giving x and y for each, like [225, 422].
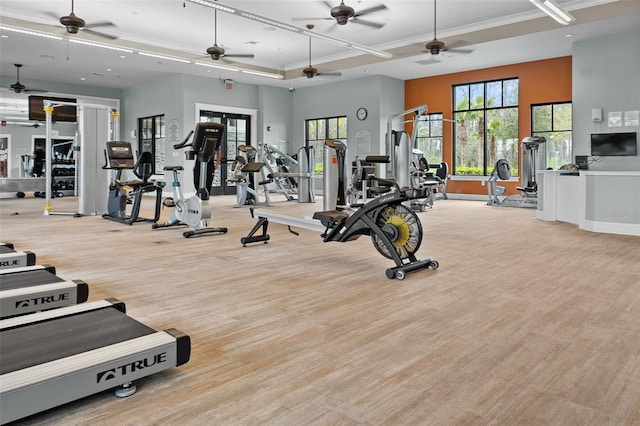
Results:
[195, 211]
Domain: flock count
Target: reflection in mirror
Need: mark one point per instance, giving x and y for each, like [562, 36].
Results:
[4, 156]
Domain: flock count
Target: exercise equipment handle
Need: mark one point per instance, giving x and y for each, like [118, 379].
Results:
[184, 142]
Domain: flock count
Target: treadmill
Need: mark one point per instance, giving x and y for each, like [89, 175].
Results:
[38, 289]
[11, 258]
[21, 269]
[54, 357]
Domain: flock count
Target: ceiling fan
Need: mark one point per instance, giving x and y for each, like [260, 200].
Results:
[436, 46]
[216, 52]
[19, 87]
[74, 24]
[343, 14]
[311, 71]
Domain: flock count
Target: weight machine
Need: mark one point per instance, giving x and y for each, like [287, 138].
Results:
[95, 123]
[502, 171]
[244, 175]
[294, 185]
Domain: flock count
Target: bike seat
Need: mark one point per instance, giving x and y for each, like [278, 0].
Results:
[331, 218]
[172, 168]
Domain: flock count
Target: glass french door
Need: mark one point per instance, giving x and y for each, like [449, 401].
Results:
[237, 132]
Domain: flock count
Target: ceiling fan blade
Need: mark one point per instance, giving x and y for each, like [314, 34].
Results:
[51, 15]
[312, 19]
[239, 55]
[100, 24]
[367, 23]
[459, 50]
[329, 5]
[329, 74]
[427, 61]
[370, 10]
[100, 34]
[33, 90]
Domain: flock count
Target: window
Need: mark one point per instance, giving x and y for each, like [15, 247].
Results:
[151, 131]
[429, 137]
[553, 121]
[319, 129]
[486, 126]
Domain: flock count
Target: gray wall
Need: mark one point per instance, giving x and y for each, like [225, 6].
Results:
[381, 96]
[606, 75]
[283, 111]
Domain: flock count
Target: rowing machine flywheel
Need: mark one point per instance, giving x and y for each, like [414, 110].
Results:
[402, 226]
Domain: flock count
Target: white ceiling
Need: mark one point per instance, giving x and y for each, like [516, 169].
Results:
[499, 32]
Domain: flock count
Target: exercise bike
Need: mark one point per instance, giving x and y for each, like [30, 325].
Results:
[195, 211]
[395, 230]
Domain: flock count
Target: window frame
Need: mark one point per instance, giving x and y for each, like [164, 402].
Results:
[508, 102]
[553, 130]
[430, 130]
[317, 141]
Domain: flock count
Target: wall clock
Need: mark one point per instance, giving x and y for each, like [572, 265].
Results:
[361, 113]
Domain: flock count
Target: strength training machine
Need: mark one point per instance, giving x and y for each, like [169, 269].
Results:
[395, 230]
[244, 175]
[502, 171]
[195, 211]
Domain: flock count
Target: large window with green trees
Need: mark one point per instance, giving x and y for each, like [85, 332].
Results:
[553, 122]
[486, 126]
[319, 129]
[429, 137]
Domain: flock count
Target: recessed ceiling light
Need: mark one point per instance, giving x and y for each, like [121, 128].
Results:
[109, 69]
[268, 29]
[251, 42]
[82, 78]
[123, 56]
[47, 56]
[4, 36]
[568, 35]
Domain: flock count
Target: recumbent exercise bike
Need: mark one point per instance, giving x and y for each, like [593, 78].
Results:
[119, 157]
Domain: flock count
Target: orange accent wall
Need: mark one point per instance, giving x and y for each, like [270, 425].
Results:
[543, 81]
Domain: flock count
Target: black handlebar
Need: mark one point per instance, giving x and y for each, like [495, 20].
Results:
[184, 142]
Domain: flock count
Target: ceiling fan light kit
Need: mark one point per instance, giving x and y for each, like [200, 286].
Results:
[553, 10]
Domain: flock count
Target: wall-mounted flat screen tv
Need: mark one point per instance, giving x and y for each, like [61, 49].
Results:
[614, 144]
[60, 113]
